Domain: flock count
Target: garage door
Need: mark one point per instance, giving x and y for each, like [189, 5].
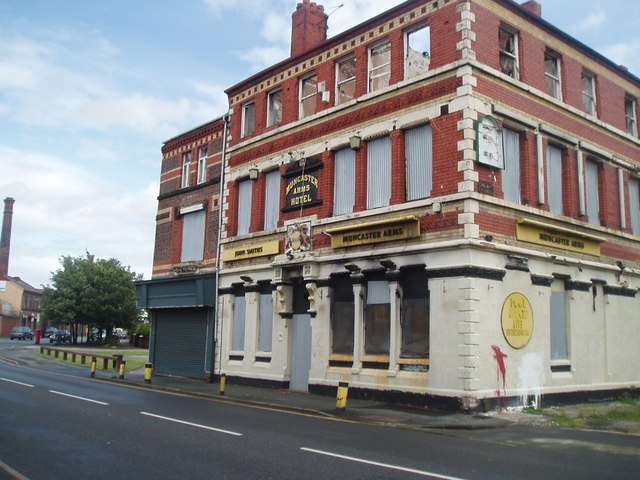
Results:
[180, 342]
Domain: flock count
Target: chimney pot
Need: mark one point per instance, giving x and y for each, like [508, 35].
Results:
[533, 7]
[308, 27]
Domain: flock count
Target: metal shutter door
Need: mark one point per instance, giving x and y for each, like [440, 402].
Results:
[180, 342]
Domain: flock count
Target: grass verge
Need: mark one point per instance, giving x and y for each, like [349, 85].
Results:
[132, 363]
[625, 409]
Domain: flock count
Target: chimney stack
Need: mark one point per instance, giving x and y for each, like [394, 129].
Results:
[533, 7]
[308, 27]
[5, 239]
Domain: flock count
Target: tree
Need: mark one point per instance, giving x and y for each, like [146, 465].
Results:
[97, 293]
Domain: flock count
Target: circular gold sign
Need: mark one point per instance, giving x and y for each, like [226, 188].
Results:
[517, 320]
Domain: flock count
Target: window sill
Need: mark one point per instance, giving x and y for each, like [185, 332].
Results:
[561, 367]
[413, 361]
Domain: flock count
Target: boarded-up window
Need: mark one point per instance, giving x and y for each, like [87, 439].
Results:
[634, 205]
[591, 187]
[415, 315]
[554, 179]
[266, 320]
[559, 344]
[245, 190]
[342, 316]
[377, 318]
[511, 172]
[193, 236]
[345, 176]
[237, 334]
[419, 157]
[379, 172]
[272, 199]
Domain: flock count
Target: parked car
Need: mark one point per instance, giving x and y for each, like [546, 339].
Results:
[60, 336]
[49, 331]
[21, 333]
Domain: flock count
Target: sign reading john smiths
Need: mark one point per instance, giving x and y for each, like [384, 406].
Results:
[302, 187]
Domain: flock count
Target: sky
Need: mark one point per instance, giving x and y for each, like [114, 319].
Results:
[90, 90]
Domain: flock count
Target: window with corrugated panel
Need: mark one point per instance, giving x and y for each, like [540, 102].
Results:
[419, 158]
[345, 176]
[379, 172]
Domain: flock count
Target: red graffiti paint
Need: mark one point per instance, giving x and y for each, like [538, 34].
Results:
[502, 369]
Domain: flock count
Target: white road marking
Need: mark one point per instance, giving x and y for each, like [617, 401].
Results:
[17, 383]
[78, 398]
[383, 465]
[17, 475]
[205, 427]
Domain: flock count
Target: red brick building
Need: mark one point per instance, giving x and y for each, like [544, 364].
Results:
[181, 294]
[439, 204]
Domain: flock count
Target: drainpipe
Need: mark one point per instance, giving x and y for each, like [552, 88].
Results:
[223, 163]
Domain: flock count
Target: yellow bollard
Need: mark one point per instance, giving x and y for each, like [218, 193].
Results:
[123, 365]
[223, 383]
[148, 372]
[94, 365]
[341, 397]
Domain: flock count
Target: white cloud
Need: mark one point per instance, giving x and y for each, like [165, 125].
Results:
[37, 89]
[276, 29]
[624, 54]
[72, 210]
[259, 58]
[593, 21]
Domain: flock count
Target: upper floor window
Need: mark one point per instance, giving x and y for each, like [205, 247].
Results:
[308, 92]
[379, 172]
[591, 190]
[379, 66]
[345, 180]
[274, 108]
[552, 74]
[554, 179]
[271, 199]
[589, 92]
[508, 45]
[630, 114]
[186, 165]
[419, 162]
[245, 192]
[248, 118]
[202, 164]
[511, 172]
[634, 205]
[193, 224]
[346, 80]
[417, 51]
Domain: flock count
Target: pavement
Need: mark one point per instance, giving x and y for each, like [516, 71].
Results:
[364, 411]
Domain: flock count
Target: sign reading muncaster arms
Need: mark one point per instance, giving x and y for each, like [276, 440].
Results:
[543, 234]
[375, 232]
